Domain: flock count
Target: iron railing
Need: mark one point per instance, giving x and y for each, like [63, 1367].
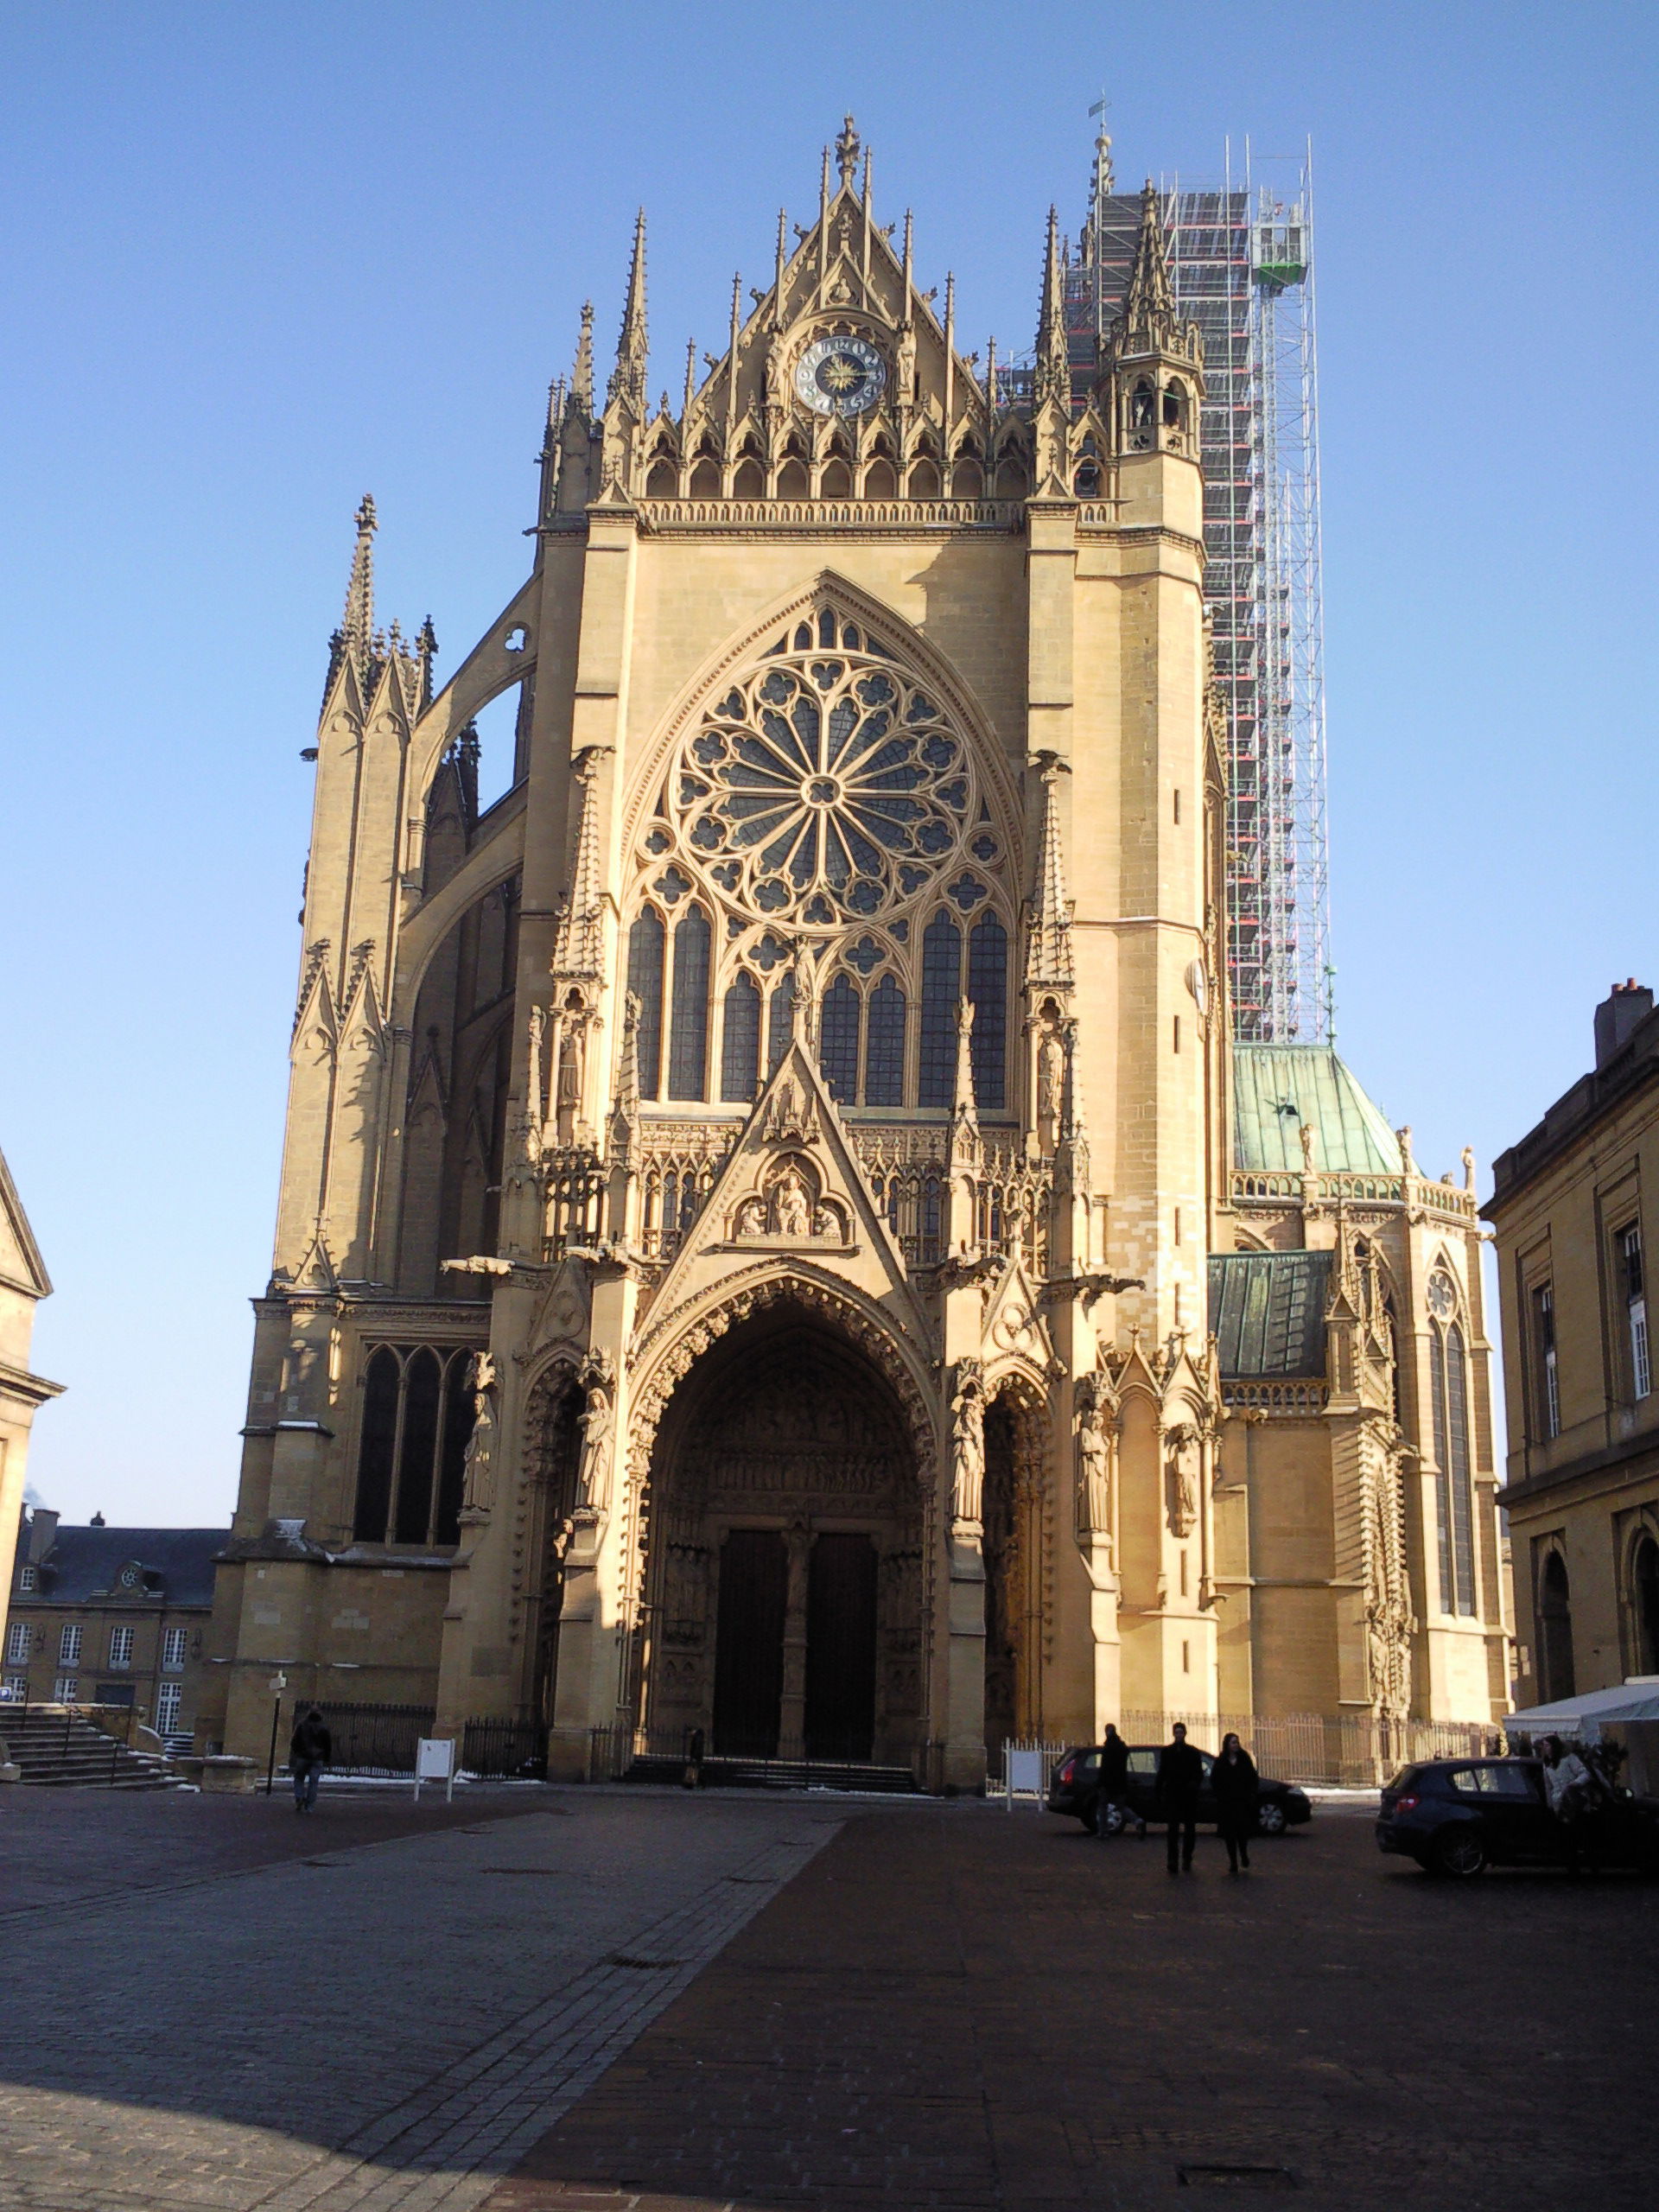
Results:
[504, 1750]
[373, 1740]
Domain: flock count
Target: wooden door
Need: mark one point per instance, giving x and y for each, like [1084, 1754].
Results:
[841, 1648]
[749, 1644]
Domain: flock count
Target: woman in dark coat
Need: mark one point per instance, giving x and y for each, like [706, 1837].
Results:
[1233, 1779]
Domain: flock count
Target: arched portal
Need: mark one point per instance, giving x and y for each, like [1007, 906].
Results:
[784, 1549]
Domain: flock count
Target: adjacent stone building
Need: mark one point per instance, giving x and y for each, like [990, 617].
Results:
[743, 1257]
[23, 1283]
[112, 1617]
[1570, 1205]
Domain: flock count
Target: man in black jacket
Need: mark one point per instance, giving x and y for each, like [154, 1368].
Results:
[1115, 1785]
[310, 1749]
[1180, 1776]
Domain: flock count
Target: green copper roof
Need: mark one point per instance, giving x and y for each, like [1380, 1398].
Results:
[1266, 1312]
[1277, 1087]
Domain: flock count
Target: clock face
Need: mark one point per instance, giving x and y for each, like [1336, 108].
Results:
[840, 376]
[1442, 1297]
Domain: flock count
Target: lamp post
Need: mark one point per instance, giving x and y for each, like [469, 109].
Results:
[278, 1684]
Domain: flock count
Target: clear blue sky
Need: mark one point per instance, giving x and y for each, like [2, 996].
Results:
[259, 260]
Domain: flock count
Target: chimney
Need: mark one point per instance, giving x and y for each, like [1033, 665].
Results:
[1616, 1016]
[42, 1533]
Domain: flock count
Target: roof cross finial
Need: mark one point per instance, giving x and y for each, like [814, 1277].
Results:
[847, 147]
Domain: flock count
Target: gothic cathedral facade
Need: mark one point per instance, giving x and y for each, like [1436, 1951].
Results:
[744, 1258]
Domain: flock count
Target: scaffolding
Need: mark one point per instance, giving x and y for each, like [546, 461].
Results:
[1242, 266]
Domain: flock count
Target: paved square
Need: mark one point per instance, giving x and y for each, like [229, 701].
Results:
[568, 1999]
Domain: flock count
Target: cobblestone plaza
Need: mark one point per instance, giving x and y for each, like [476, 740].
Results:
[553, 2000]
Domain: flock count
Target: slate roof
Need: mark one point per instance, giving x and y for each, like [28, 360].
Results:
[1266, 1312]
[1277, 1087]
[83, 1563]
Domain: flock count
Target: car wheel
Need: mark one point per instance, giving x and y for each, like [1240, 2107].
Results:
[1460, 1853]
[1270, 1819]
[1106, 1820]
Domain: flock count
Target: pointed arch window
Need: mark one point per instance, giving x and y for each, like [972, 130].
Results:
[1454, 1495]
[838, 1028]
[780, 1021]
[884, 1049]
[987, 990]
[417, 1417]
[646, 948]
[688, 1035]
[740, 1048]
[941, 988]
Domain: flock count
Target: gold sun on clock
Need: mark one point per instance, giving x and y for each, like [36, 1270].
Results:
[840, 376]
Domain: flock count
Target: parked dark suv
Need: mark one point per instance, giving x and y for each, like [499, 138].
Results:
[1074, 1788]
[1455, 1816]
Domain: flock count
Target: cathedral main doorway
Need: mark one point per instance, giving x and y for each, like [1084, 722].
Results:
[784, 1542]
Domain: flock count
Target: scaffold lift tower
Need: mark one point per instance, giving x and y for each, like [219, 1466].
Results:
[1241, 262]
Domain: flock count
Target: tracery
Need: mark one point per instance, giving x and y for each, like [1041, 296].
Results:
[823, 826]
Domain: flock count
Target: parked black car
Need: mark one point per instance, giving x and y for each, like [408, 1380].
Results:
[1456, 1816]
[1074, 1788]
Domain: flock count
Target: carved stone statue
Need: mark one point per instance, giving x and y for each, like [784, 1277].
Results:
[597, 1422]
[751, 1218]
[1182, 1444]
[478, 1489]
[1050, 1086]
[794, 1205]
[1094, 1468]
[968, 1445]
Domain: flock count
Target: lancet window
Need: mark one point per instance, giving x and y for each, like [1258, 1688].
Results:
[825, 828]
[417, 1416]
[1454, 1492]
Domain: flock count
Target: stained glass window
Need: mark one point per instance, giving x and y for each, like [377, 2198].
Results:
[645, 984]
[884, 1049]
[779, 1016]
[740, 1050]
[379, 1441]
[688, 1033]
[1463, 1504]
[941, 988]
[988, 988]
[838, 1041]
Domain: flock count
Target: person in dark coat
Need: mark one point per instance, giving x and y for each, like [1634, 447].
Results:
[1180, 1776]
[1233, 1780]
[1115, 1783]
[310, 1749]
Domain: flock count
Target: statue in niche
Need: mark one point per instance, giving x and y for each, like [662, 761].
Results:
[1050, 1085]
[1182, 1442]
[794, 1205]
[751, 1218]
[479, 1487]
[825, 1227]
[569, 1075]
[597, 1422]
[968, 1445]
[1094, 1470]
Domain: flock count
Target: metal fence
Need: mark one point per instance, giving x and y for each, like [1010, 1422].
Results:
[504, 1750]
[1359, 1749]
[373, 1740]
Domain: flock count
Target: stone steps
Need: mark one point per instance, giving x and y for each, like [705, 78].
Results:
[64, 1751]
[778, 1774]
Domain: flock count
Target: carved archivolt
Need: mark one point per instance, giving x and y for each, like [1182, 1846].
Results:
[664, 1376]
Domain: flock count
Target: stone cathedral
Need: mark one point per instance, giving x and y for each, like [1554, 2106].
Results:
[775, 1235]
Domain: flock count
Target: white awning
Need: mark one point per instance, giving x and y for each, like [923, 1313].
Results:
[1635, 1698]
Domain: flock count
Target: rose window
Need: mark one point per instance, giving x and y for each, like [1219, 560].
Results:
[821, 788]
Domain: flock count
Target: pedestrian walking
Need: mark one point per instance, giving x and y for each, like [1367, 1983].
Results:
[310, 1749]
[1180, 1776]
[1234, 1781]
[1114, 1792]
[1571, 1792]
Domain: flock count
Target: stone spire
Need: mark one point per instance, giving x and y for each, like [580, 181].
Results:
[847, 152]
[426, 650]
[1048, 963]
[578, 940]
[1149, 319]
[581, 375]
[964, 1114]
[1053, 373]
[628, 377]
[357, 624]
